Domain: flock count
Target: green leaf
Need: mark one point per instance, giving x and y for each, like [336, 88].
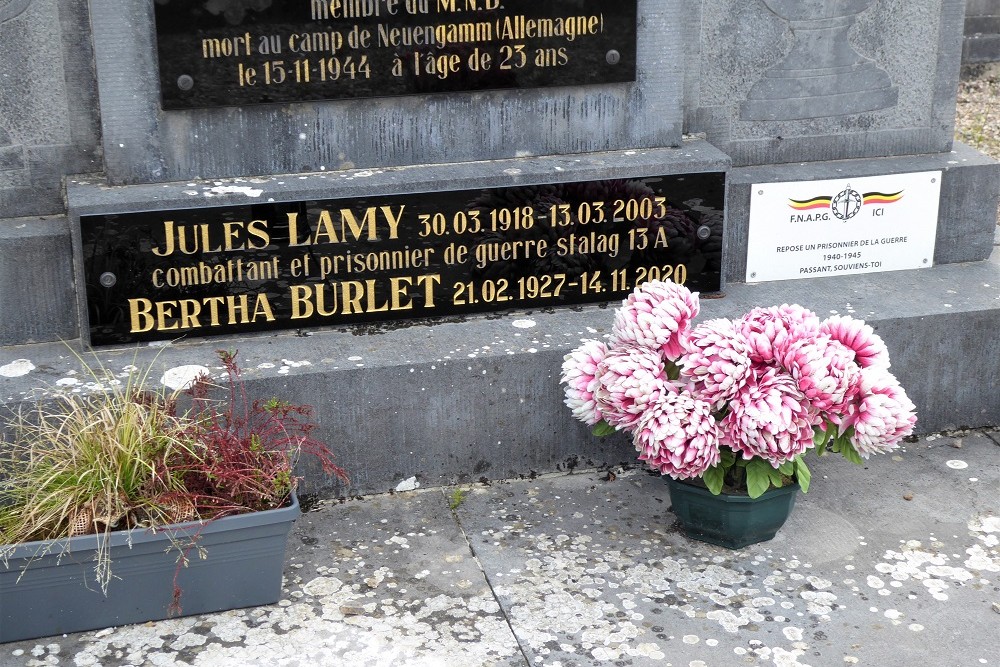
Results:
[603, 428]
[802, 474]
[787, 468]
[728, 459]
[758, 477]
[821, 436]
[713, 478]
[847, 450]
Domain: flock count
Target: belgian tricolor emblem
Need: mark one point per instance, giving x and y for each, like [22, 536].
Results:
[824, 202]
[809, 204]
[882, 197]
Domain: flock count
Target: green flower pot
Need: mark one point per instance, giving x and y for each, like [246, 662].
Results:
[731, 521]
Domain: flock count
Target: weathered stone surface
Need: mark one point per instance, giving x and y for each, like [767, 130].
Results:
[144, 144]
[446, 401]
[781, 81]
[48, 114]
[37, 296]
[881, 564]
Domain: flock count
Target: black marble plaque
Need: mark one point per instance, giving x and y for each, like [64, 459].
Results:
[238, 52]
[159, 275]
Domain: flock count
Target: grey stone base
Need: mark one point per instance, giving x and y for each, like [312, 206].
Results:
[981, 48]
[37, 299]
[982, 32]
[452, 401]
[970, 187]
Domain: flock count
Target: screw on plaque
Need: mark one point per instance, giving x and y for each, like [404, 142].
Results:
[613, 57]
[108, 279]
[704, 232]
[185, 82]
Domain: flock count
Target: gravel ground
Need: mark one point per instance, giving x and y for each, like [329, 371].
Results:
[977, 114]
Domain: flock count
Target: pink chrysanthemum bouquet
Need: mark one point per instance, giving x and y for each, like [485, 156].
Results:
[737, 403]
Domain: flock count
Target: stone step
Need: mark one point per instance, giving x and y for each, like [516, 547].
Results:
[454, 400]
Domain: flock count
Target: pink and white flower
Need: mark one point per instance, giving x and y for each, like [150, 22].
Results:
[868, 347]
[629, 380]
[883, 414]
[678, 436]
[759, 385]
[803, 320]
[769, 418]
[717, 361]
[579, 374]
[825, 372]
[656, 315]
[769, 331]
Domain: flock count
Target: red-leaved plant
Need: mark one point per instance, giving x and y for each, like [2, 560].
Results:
[126, 457]
[243, 454]
[246, 451]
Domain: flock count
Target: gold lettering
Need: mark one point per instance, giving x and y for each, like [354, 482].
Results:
[263, 307]
[430, 282]
[320, 9]
[213, 308]
[661, 238]
[190, 309]
[325, 229]
[226, 46]
[141, 312]
[372, 308]
[239, 306]
[301, 304]
[353, 293]
[399, 287]
[265, 269]
[321, 308]
[206, 242]
[293, 231]
[168, 234]
[230, 231]
[165, 311]
[393, 220]
[347, 217]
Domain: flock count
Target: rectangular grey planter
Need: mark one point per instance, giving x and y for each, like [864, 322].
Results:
[57, 593]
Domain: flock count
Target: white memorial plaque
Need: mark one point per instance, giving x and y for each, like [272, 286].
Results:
[845, 226]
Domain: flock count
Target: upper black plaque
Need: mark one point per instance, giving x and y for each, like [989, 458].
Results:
[236, 52]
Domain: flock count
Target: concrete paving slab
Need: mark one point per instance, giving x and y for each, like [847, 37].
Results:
[895, 563]
[885, 564]
[382, 582]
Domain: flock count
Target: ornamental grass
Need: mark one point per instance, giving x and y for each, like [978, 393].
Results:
[124, 458]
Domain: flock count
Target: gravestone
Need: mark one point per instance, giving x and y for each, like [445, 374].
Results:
[982, 31]
[144, 143]
[405, 212]
[48, 128]
[807, 91]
